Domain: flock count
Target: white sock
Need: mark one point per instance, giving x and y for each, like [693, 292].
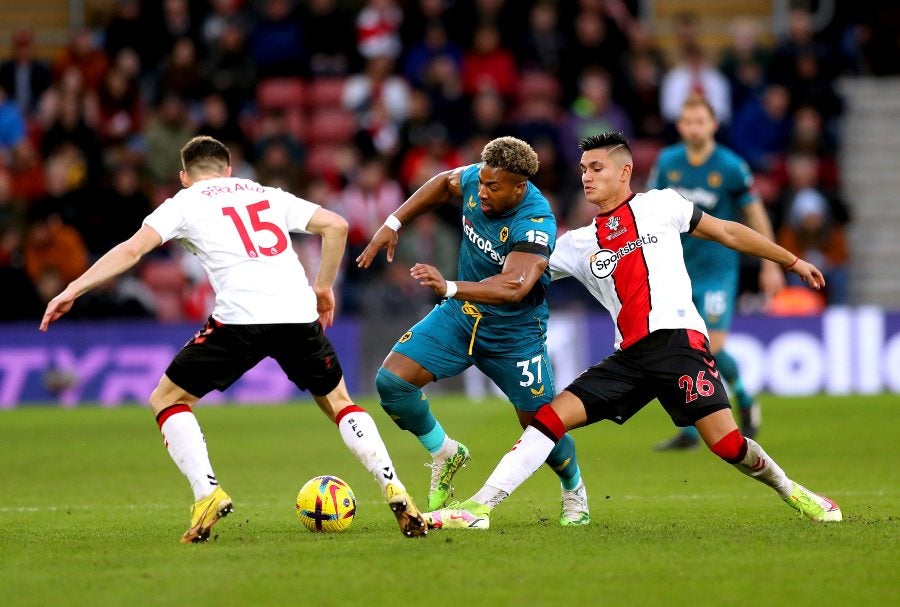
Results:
[361, 436]
[448, 448]
[526, 456]
[759, 465]
[184, 440]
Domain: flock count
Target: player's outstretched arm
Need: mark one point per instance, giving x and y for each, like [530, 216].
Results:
[741, 238]
[120, 258]
[520, 273]
[333, 229]
[433, 193]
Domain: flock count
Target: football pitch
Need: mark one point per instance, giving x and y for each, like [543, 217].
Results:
[91, 510]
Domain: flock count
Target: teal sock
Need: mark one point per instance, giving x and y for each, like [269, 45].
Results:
[728, 366]
[408, 407]
[434, 439]
[563, 461]
[690, 431]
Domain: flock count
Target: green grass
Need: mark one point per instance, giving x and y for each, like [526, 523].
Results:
[91, 509]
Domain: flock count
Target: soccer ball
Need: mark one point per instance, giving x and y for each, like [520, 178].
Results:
[326, 503]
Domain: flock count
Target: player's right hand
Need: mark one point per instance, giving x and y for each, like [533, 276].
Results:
[384, 237]
[58, 306]
[809, 273]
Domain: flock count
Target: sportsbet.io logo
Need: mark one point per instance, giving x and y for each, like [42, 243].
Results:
[603, 262]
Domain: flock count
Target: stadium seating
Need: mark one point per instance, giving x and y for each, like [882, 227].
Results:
[281, 93]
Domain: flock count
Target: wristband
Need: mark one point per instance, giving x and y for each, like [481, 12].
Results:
[392, 222]
[792, 264]
[451, 289]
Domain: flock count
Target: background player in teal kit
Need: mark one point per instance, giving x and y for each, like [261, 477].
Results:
[494, 316]
[719, 183]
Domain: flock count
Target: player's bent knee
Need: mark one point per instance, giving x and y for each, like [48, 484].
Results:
[392, 388]
[732, 447]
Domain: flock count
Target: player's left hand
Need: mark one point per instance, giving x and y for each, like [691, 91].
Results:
[771, 278]
[58, 306]
[809, 273]
[429, 276]
[325, 305]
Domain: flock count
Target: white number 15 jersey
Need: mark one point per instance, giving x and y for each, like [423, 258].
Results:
[239, 230]
[631, 261]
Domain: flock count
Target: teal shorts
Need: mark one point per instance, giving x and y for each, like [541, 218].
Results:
[512, 352]
[716, 301]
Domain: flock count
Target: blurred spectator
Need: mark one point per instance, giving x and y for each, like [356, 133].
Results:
[596, 41]
[435, 44]
[378, 29]
[694, 75]
[120, 108]
[181, 72]
[217, 122]
[330, 37]
[745, 62]
[279, 154]
[444, 86]
[277, 44]
[12, 128]
[166, 132]
[230, 70]
[592, 112]
[128, 29]
[23, 76]
[810, 231]
[70, 127]
[761, 129]
[171, 20]
[488, 117]
[370, 197]
[123, 206]
[799, 40]
[82, 53]
[640, 94]
[380, 101]
[488, 66]
[222, 14]
[431, 154]
[542, 46]
[54, 255]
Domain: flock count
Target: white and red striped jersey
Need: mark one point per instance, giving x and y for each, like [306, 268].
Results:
[631, 261]
[239, 230]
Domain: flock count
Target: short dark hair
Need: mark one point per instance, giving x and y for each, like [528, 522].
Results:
[607, 141]
[204, 154]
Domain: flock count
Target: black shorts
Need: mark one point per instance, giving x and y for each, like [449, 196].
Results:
[673, 365]
[218, 355]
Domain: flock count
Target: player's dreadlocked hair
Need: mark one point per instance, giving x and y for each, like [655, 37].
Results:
[204, 154]
[609, 141]
[511, 154]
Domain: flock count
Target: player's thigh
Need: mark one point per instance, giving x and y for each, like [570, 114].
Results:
[613, 389]
[684, 376]
[306, 356]
[525, 376]
[437, 344]
[716, 301]
[216, 357]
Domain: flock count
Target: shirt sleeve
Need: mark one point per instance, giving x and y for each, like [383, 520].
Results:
[562, 262]
[298, 211]
[534, 233]
[682, 211]
[167, 220]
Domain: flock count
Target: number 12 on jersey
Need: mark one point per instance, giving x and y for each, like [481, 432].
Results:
[258, 225]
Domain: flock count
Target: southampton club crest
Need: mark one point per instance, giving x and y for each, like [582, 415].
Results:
[612, 224]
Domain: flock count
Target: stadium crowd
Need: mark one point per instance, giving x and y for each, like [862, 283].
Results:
[355, 105]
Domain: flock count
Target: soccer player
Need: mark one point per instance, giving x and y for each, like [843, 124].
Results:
[264, 307]
[719, 183]
[631, 261]
[493, 317]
